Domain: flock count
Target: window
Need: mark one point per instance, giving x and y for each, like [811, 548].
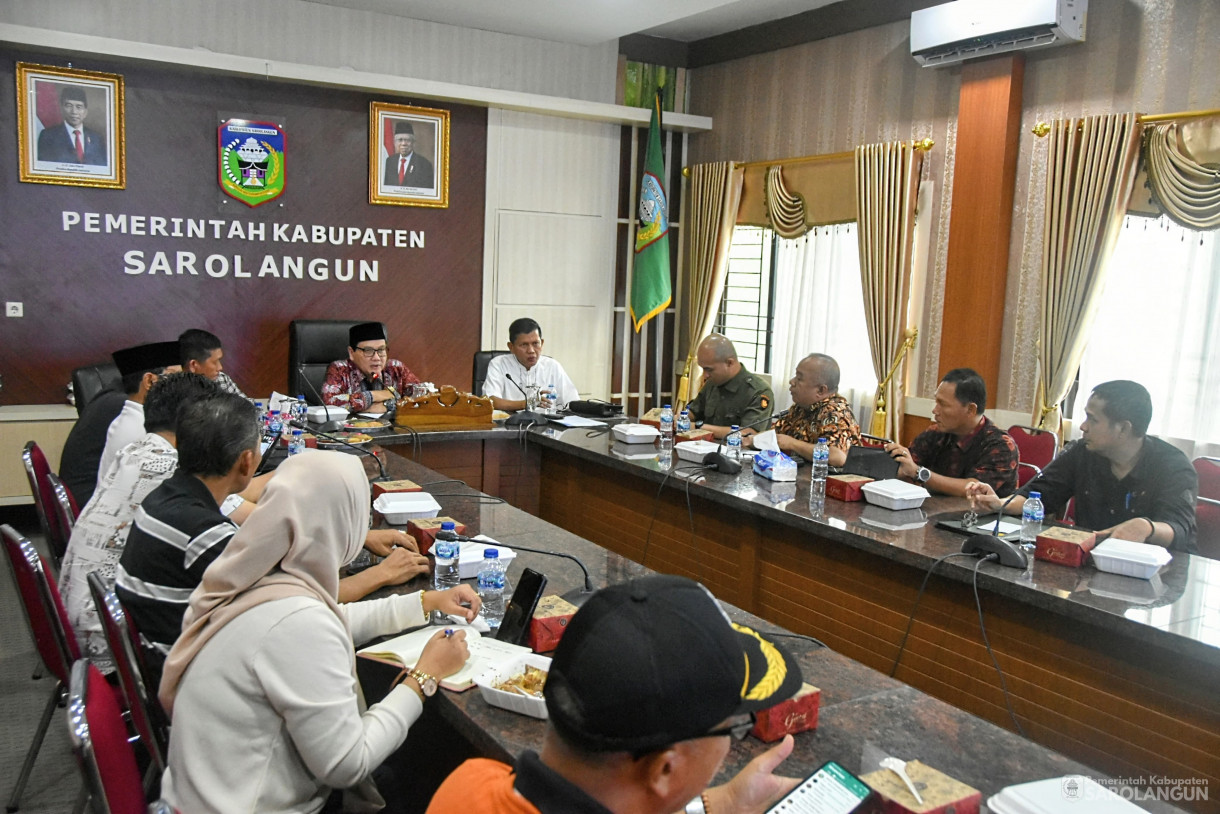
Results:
[1159, 324]
[747, 309]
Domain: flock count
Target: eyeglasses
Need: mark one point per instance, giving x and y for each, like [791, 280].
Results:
[737, 731]
[369, 353]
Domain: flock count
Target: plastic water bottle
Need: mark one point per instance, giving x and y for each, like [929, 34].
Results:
[274, 425]
[1031, 520]
[551, 399]
[300, 410]
[667, 422]
[817, 477]
[684, 421]
[297, 444]
[447, 553]
[733, 442]
[491, 588]
[261, 409]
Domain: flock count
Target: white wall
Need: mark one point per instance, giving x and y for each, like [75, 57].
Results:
[328, 36]
[552, 185]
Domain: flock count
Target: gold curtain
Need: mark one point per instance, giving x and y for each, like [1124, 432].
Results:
[714, 196]
[1181, 160]
[1090, 173]
[785, 210]
[887, 186]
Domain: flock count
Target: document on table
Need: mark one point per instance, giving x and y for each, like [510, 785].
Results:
[485, 652]
[578, 421]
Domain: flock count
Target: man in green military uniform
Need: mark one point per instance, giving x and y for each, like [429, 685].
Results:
[731, 394]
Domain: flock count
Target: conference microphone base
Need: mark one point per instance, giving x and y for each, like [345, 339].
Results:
[577, 597]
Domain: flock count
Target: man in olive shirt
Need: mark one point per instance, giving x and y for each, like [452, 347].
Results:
[731, 394]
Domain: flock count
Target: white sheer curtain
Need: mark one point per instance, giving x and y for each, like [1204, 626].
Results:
[1159, 325]
[819, 308]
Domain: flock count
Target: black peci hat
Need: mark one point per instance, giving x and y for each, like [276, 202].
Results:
[401, 126]
[656, 661]
[144, 358]
[365, 332]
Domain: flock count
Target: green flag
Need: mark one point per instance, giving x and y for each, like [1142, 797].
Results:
[650, 292]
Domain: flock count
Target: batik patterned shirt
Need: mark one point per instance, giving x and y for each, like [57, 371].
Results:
[346, 386]
[830, 418]
[987, 454]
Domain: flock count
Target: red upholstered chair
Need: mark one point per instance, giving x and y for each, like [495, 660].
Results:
[1036, 448]
[99, 741]
[53, 636]
[65, 510]
[146, 713]
[1207, 511]
[37, 469]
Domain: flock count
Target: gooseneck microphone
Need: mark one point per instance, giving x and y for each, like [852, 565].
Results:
[524, 416]
[300, 425]
[576, 597]
[312, 389]
[992, 545]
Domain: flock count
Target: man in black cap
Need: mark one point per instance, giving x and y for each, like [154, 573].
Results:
[648, 687]
[368, 381]
[80, 463]
[71, 142]
[407, 168]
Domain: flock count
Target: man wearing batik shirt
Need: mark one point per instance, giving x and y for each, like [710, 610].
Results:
[963, 445]
[818, 411]
[367, 381]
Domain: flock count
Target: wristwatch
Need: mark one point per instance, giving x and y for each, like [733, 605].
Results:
[427, 683]
[923, 475]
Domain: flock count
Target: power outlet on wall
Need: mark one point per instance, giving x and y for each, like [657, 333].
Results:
[13, 309]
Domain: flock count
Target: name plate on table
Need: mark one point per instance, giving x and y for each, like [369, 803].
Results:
[446, 408]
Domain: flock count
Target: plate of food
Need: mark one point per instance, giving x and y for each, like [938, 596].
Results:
[354, 438]
[365, 424]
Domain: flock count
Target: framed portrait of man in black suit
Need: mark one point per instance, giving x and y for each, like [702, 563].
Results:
[408, 155]
[70, 127]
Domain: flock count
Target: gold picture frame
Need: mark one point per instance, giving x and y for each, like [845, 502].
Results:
[408, 155]
[70, 127]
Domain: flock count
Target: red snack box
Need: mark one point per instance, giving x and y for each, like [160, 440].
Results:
[846, 487]
[424, 530]
[695, 435]
[550, 620]
[394, 486]
[1065, 546]
[798, 714]
[941, 793]
[652, 418]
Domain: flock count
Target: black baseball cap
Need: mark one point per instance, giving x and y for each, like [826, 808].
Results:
[655, 661]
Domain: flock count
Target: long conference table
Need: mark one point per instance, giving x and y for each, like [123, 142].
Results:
[1107, 672]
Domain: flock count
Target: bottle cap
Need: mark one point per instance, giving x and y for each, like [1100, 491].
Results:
[667, 407]
[821, 440]
[735, 428]
[491, 553]
[1037, 495]
[447, 525]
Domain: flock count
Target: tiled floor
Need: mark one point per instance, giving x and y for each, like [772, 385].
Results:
[55, 782]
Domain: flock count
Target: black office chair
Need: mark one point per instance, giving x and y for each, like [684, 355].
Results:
[312, 345]
[482, 358]
[90, 380]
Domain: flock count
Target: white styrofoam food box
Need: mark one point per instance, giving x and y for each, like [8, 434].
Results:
[399, 507]
[470, 557]
[526, 705]
[320, 414]
[694, 451]
[1128, 558]
[894, 494]
[635, 433]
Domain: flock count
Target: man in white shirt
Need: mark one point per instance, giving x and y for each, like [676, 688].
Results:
[140, 368]
[508, 377]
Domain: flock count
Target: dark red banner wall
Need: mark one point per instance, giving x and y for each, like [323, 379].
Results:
[81, 301]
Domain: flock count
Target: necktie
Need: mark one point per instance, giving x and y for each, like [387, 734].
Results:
[80, 147]
[402, 170]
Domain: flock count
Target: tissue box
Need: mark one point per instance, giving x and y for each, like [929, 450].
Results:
[424, 530]
[695, 435]
[383, 487]
[550, 620]
[774, 465]
[798, 714]
[1065, 546]
[941, 793]
[846, 487]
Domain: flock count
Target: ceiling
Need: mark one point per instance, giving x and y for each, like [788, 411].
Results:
[587, 22]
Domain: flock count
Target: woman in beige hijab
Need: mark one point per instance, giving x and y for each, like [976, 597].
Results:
[267, 713]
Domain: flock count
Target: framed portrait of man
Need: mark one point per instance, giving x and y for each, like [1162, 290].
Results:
[70, 127]
[408, 155]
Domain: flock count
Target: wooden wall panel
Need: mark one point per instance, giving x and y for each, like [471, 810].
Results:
[80, 304]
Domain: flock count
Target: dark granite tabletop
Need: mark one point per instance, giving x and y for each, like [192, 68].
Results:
[863, 713]
[1178, 609]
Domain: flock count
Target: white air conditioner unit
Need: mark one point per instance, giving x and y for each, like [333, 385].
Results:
[965, 29]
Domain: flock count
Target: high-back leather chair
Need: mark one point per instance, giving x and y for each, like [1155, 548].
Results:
[312, 345]
[482, 358]
[1207, 510]
[90, 380]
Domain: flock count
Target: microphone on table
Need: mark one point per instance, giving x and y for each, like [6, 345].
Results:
[328, 425]
[992, 544]
[524, 416]
[301, 425]
[577, 597]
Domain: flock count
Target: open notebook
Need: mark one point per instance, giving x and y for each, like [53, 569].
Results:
[484, 652]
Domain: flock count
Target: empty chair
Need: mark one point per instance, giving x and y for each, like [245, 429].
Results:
[36, 470]
[1207, 510]
[52, 634]
[146, 713]
[1036, 449]
[482, 358]
[99, 741]
[65, 508]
